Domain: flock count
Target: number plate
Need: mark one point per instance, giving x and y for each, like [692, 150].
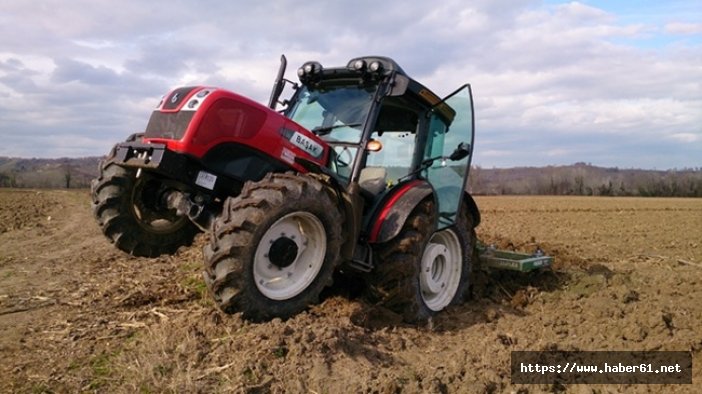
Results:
[306, 144]
[206, 180]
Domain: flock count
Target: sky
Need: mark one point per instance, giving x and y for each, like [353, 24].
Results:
[612, 83]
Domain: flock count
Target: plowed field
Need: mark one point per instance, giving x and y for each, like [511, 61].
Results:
[78, 315]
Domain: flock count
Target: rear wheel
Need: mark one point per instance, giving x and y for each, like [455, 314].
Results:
[274, 247]
[420, 272]
[441, 270]
[130, 214]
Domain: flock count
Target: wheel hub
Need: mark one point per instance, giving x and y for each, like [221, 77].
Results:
[434, 266]
[283, 252]
[289, 255]
[148, 210]
[441, 270]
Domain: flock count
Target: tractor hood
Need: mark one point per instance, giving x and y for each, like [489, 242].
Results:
[198, 120]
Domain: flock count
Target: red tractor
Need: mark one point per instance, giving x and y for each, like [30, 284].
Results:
[363, 170]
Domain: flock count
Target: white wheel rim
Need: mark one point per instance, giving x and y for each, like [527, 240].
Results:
[440, 276]
[310, 239]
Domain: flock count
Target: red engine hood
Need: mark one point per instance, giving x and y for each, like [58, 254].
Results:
[193, 120]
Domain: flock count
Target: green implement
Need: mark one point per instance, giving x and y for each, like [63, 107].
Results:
[508, 260]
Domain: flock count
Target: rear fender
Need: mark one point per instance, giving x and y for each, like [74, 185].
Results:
[395, 210]
[390, 218]
[472, 208]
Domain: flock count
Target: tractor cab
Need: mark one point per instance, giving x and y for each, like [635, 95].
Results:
[385, 130]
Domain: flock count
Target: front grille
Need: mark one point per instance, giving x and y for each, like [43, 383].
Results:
[168, 125]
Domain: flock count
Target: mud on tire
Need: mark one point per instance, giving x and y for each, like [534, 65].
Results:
[413, 277]
[274, 247]
[121, 206]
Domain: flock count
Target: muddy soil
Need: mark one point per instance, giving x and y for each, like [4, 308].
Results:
[78, 315]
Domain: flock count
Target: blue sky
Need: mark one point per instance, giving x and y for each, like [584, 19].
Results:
[613, 83]
[657, 15]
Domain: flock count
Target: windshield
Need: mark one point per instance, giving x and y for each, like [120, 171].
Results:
[335, 113]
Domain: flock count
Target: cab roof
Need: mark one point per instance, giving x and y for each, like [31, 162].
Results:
[371, 70]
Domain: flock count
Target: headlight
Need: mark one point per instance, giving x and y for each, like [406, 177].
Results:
[359, 65]
[309, 70]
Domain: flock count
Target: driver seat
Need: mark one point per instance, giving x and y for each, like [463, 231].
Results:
[372, 181]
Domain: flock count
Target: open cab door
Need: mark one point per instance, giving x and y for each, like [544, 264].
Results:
[450, 137]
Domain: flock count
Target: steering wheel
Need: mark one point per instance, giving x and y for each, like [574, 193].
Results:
[341, 161]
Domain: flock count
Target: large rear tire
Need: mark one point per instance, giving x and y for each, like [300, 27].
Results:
[274, 247]
[421, 272]
[130, 216]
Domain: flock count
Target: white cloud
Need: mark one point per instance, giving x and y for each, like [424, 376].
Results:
[501, 153]
[687, 137]
[683, 28]
[558, 152]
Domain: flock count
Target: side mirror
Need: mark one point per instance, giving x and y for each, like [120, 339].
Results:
[462, 151]
[279, 83]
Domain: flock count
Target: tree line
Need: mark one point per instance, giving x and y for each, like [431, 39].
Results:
[47, 173]
[586, 180]
[579, 179]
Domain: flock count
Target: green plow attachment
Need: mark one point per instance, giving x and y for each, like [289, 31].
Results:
[508, 260]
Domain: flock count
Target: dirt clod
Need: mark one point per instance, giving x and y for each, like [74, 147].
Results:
[631, 296]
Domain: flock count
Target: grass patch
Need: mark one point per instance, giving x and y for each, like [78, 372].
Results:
[163, 370]
[195, 284]
[41, 389]
[280, 352]
[249, 375]
[191, 266]
[102, 369]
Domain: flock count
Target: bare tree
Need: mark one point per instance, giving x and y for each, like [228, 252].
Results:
[67, 175]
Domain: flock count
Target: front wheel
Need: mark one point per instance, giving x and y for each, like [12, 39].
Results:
[274, 247]
[131, 216]
[421, 271]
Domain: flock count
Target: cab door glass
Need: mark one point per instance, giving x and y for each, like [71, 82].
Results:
[450, 124]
